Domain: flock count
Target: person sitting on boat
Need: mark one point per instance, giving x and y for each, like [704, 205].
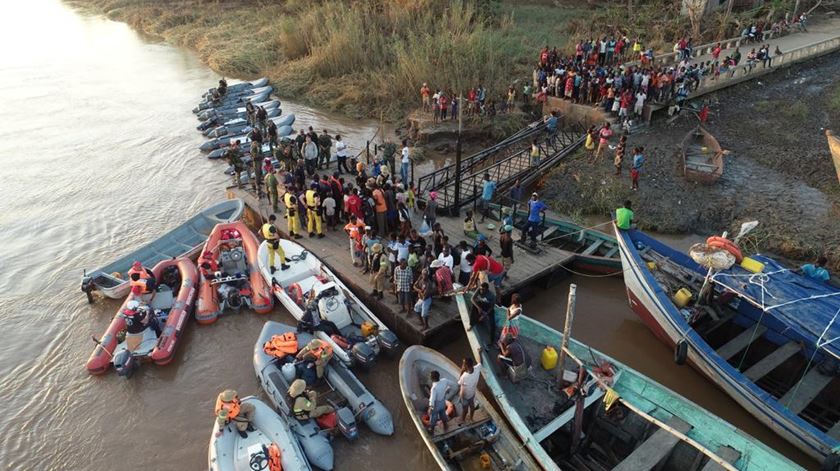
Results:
[624, 217]
[817, 271]
[437, 401]
[141, 276]
[222, 88]
[318, 352]
[306, 402]
[272, 237]
[311, 320]
[208, 266]
[230, 410]
[139, 317]
[512, 354]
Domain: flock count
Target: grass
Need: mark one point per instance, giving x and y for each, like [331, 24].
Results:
[358, 58]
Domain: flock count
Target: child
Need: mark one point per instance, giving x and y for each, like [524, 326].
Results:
[619, 154]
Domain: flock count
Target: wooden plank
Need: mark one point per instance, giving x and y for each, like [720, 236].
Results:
[566, 416]
[611, 252]
[592, 248]
[741, 341]
[655, 448]
[808, 389]
[727, 453]
[771, 361]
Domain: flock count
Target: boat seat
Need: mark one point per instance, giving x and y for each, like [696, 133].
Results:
[297, 271]
[164, 298]
[740, 342]
[771, 361]
[307, 283]
[593, 248]
[656, 448]
[611, 252]
[727, 453]
[798, 398]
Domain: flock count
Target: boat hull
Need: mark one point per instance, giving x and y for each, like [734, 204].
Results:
[654, 308]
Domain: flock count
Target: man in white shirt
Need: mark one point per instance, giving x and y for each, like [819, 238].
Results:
[464, 267]
[405, 162]
[640, 102]
[341, 155]
[437, 402]
[446, 258]
[470, 374]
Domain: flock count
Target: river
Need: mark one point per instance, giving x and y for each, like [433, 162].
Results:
[99, 150]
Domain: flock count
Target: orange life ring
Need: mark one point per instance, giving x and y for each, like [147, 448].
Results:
[725, 244]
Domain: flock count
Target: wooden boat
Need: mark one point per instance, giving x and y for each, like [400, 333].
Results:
[363, 336]
[230, 452]
[834, 147]
[236, 280]
[648, 426]
[462, 446]
[702, 156]
[183, 241]
[171, 305]
[764, 338]
[595, 251]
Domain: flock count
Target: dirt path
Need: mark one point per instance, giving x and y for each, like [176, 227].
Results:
[779, 173]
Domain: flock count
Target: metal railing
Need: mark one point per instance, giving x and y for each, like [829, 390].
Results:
[520, 166]
[511, 145]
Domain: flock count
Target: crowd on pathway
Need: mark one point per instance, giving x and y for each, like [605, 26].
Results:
[444, 104]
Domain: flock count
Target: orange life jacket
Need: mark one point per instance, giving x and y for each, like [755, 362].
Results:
[274, 463]
[324, 350]
[232, 407]
[281, 345]
[141, 281]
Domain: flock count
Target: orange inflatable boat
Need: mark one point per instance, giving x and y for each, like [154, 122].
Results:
[230, 277]
[148, 326]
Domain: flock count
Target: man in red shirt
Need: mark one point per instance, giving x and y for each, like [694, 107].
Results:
[485, 266]
[381, 208]
[354, 204]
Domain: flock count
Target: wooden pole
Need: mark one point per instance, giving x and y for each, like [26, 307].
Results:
[567, 328]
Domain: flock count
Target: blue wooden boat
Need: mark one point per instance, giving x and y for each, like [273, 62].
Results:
[768, 339]
[183, 241]
[596, 413]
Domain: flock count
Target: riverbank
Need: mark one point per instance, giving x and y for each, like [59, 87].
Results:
[779, 171]
[362, 59]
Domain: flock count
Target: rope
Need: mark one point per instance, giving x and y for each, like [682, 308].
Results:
[755, 329]
[799, 383]
[592, 276]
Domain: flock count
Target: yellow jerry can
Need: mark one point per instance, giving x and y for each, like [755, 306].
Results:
[682, 297]
[548, 360]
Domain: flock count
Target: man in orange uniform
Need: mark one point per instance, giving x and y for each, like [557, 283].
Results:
[141, 276]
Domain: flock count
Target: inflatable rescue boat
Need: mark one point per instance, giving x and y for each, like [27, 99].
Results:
[230, 277]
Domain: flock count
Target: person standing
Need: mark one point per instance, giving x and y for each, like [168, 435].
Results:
[535, 154]
[619, 154]
[430, 212]
[483, 311]
[424, 96]
[313, 212]
[638, 162]
[403, 281]
[468, 382]
[437, 402]
[256, 158]
[379, 271]
[514, 311]
[603, 139]
[234, 158]
[424, 287]
[329, 206]
[310, 154]
[354, 230]
[405, 162]
[464, 266]
[341, 155]
[325, 150]
[381, 209]
[272, 237]
[487, 191]
[271, 189]
[506, 244]
[292, 219]
[535, 208]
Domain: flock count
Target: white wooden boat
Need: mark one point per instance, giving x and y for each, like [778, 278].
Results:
[463, 446]
[308, 277]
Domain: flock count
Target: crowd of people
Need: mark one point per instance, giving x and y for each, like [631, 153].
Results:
[478, 102]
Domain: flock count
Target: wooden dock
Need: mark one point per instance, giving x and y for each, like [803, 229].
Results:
[444, 321]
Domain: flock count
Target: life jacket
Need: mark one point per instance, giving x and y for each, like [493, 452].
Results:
[232, 407]
[311, 199]
[274, 457]
[295, 292]
[143, 279]
[324, 351]
[291, 206]
[281, 345]
[266, 231]
[208, 266]
[302, 407]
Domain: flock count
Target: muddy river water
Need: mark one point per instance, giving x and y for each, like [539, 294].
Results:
[98, 155]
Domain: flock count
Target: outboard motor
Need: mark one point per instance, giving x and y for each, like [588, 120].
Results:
[124, 363]
[347, 423]
[233, 261]
[87, 286]
[229, 296]
[387, 340]
[363, 354]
